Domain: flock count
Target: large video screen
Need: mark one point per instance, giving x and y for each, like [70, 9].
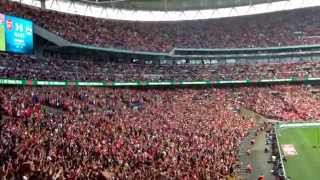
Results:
[16, 34]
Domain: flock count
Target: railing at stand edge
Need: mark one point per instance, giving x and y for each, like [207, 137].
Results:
[280, 152]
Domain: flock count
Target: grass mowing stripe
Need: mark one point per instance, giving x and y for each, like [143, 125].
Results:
[306, 164]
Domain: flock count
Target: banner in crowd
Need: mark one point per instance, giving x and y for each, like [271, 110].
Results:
[147, 83]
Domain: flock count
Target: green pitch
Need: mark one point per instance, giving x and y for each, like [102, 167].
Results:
[305, 164]
[2, 38]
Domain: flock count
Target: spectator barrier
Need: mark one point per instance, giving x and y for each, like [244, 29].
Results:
[148, 83]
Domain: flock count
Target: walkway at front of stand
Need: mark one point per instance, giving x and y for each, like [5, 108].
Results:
[257, 158]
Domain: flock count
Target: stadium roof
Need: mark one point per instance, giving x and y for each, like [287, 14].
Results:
[155, 10]
[175, 5]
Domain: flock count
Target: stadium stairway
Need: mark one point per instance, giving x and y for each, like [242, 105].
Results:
[243, 157]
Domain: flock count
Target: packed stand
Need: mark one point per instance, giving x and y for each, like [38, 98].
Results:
[289, 103]
[90, 133]
[294, 27]
[32, 68]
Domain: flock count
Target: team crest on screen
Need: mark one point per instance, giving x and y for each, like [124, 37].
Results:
[9, 24]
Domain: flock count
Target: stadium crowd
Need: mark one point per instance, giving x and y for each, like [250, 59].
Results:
[90, 133]
[281, 102]
[105, 133]
[295, 27]
[26, 67]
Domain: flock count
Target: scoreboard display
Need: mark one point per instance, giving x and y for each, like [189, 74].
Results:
[16, 35]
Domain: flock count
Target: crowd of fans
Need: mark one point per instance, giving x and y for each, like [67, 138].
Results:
[90, 133]
[25, 67]
[295, 27]
[281, 102]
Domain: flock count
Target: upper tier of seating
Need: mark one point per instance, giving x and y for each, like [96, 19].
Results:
[294, 27]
